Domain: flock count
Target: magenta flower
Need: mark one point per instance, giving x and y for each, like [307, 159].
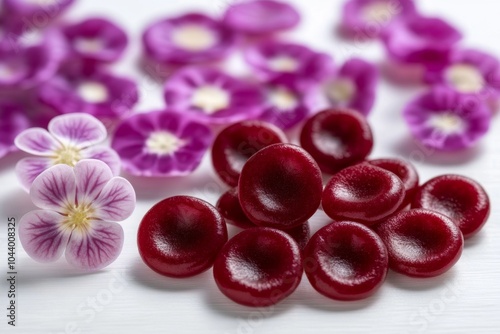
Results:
[13, 120]
[69, 139]
[365, 19]
[79, 208]
[38, 14]
[354, 86]
[213, 96]
[470, 72]
[161, 143]
[261, 17]
[271, 59]
[289, 101]
[103, 95]
[96, 40]
[446, 120]
[188, 39]
[420, 40]
[25, 63]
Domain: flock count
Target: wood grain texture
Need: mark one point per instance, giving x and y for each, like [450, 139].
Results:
[127, 297]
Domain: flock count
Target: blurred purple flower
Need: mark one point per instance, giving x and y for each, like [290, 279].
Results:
[103, 95]
[188, 39]
[161, 143]
[271, 59]
[13, 120]
[470, 72]
[78, 215]
[446, 120]
[25, 62]
[34, 14]
[354, 86]
[213, 96]
[420, 40]
[261, 17]
[289, 101]
[95, 41]
[366, 19]
[69, 139]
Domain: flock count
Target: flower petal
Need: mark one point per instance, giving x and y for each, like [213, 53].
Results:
[28, 169]
[37, 141]
[54, 189]
[96, 248]
[43, 236]
[91, 178]
[116, 201]
[77, 129]
[106, 155]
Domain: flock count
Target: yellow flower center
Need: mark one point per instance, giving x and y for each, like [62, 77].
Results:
[283, 98]
[67, 155]
[341, 90]
[210, 99]
[78, 217]
[163, 143]
[283, 64]
[447, 123]
[465, 78]
[379, 12]
[193, 37]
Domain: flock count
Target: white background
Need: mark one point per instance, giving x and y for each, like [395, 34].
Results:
[130, 298]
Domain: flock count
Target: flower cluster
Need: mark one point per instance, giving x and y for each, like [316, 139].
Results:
[464, 83]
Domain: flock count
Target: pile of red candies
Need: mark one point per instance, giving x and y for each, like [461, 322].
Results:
[382, 217]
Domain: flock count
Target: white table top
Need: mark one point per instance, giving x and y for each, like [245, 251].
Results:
[127, 297]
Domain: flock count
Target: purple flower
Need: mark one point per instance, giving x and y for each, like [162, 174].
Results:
[289, 101]
[25, 63]
[354, 86]
[272, 58]
[470, 72]
[421, 40]
[212, 96]
[69, 139]
[446, 120]
[79, 208]
[261, 17]
[96, 40]
[161, 143]
[13, 120]
[38, 14]
[103, 95]
[188, 39]
[364, 19]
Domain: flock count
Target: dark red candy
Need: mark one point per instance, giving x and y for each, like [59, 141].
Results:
[258, 267]
[421, 243]
[230, 208]
[363, 193]
[346, 261]
[280, 186]
[337, 138]
[458, 197]
[181, 236]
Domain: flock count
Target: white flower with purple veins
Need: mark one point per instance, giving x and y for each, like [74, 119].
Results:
[79, 208]
[69, 139]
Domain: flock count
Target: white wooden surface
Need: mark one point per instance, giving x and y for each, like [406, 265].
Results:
[127, 297]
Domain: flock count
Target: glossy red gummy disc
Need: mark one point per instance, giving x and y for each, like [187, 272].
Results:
[421, 243]
[280, 186]
[363, 193]
[458, 197]
[346, 261]
[234, 145]
[230, 208]
[405, 171]
[181, 236]
[337, 138]
[258, 267]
